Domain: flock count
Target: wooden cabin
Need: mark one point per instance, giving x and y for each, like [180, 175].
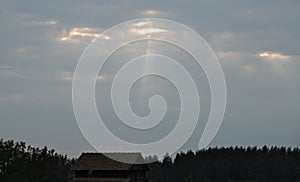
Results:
[100, 167]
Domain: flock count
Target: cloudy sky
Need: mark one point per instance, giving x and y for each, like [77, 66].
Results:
[257, 44]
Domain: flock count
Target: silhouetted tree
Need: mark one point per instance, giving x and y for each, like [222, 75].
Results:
[230, 164]
[29, 164]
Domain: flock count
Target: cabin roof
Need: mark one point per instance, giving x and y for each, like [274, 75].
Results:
[104, 161]
[101, 180]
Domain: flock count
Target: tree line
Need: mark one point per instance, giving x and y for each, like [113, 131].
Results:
[19, 162]
[229, 164]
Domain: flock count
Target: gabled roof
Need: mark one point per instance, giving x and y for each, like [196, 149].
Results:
[101, 180]
[104, 161]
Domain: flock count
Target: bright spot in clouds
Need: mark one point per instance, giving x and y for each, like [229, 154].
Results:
[277, 63]
[46, 22]
[43, 23]
[99, 77]
[146, 31]
[273, 55]
[140, 24]
[76, 33]
[150, 12]
[67, 76]
[50, 22]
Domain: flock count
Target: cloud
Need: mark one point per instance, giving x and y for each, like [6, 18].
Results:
[273, 55]
[100, 77]
[147, 31]
[51, 22]
[146, 28]
[75, 34]
[285, 66]
[66, 76]
[152, 13]
[141, 23]
[30, 19]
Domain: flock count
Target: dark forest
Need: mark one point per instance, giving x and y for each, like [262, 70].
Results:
[19, 162]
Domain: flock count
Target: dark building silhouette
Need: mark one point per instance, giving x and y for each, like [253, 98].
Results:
[98, 167]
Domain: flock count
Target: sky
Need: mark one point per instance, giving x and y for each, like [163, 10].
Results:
[256, 42]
